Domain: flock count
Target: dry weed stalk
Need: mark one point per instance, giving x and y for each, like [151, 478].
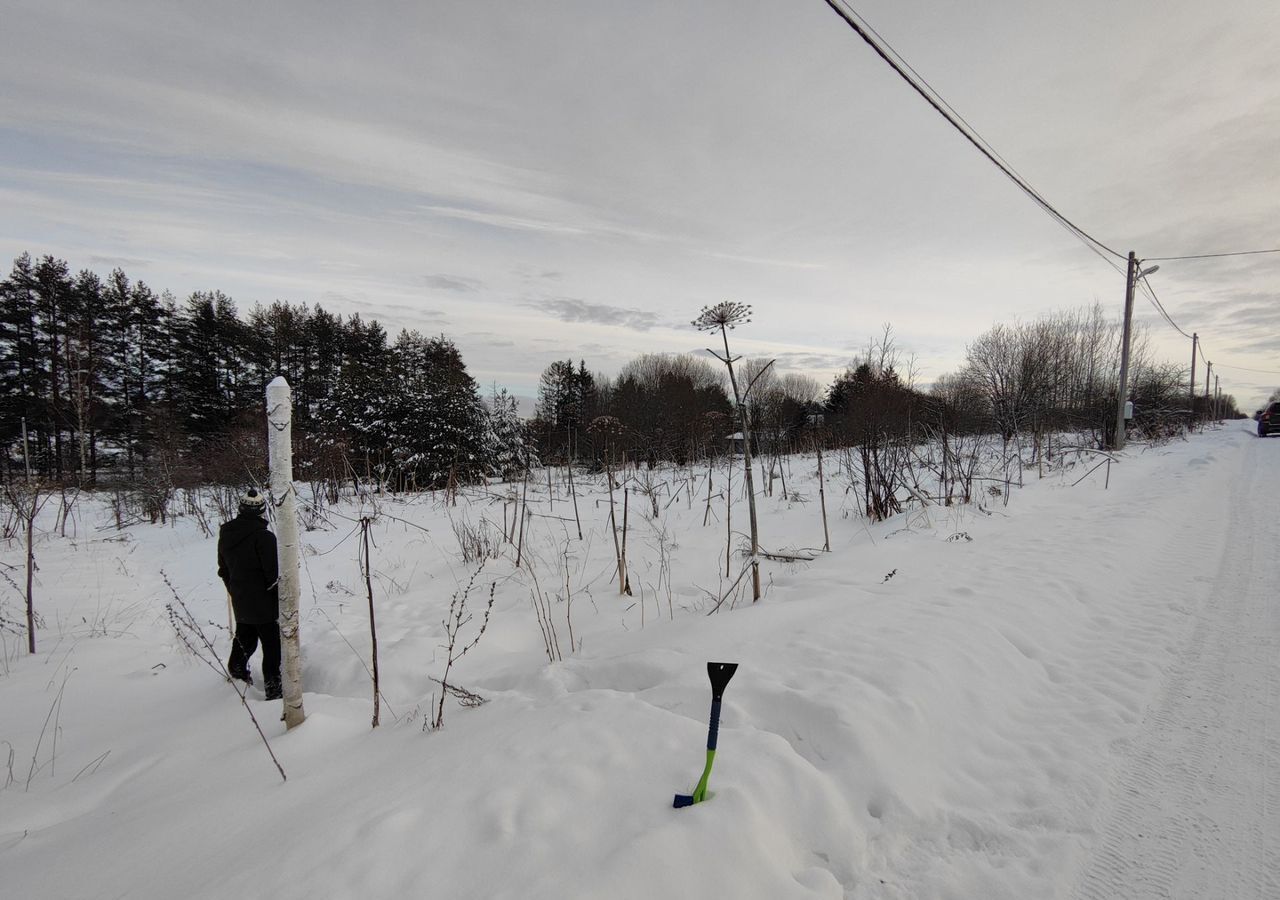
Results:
[187, 629]
[454, 622]
[54, 715]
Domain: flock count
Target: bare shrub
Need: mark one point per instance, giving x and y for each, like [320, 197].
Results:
[542, 610]
[476, 542]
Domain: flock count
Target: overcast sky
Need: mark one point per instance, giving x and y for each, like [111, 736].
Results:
[544, 180]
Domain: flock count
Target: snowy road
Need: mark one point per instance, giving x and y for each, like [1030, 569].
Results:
[1194, 808]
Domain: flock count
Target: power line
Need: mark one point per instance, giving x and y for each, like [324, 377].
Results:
[1243, 369]
[935, 99]
[856, 22]
[957, 121]
[1151, 295]
[1212, 255]
[1237, 368]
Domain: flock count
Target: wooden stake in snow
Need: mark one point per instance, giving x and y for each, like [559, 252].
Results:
[31, 566]
[522, 510]
[280, 448]
[822, 496]
[367, 565]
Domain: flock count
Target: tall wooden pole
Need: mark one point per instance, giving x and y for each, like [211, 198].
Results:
[280, 444]
[373, 626]
[822, 496]
[1195, 340]
[31, 568]
[1118, 442]
[1208, 378]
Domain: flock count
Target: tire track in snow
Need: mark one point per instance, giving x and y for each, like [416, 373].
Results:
[1194, 810]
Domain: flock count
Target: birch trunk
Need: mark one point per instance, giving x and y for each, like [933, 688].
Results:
[279, 427]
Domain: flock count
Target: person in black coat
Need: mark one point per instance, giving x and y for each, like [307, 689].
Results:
[249, 567]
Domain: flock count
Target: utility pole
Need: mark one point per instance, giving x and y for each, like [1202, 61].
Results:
[1117, 442]
[1195, 339]
[1131, 280]
[1208, 377]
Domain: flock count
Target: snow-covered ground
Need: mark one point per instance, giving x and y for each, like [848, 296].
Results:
[1071, 695]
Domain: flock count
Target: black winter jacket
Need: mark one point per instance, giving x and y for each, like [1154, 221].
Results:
[248, 566]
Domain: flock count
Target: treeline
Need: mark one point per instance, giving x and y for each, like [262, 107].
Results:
[110, 377]
[107, 375]
[1057, 373]
[1061, 373]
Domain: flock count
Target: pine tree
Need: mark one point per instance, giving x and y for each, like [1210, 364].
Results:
[20, 355]
[142, 324]
[210, 371]
[53, 295]
[567, 401]
[90, 363]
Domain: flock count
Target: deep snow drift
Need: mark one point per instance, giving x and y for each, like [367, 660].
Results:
[1068, 695]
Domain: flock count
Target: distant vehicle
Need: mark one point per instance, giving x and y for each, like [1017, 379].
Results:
[1269, 421]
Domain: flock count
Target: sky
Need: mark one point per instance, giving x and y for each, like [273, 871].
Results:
[555, 180]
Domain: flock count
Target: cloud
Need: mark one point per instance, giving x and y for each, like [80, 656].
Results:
[803, 362]
[119, 262]
[489, 339]
[505, 221]
[568, 309]
[453, 283]
[1262, 316]
[764, 261]
[416, 313]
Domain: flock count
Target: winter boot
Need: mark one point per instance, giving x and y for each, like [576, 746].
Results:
[244, 676]
[274, 691]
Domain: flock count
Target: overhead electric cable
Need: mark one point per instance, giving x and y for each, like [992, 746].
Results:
[856, 22]
[1243, 369]
[1212, 255]
[1155, 301]
[957, 121]
[935, 99]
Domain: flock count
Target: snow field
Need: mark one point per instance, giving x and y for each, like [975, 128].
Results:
[949, 731]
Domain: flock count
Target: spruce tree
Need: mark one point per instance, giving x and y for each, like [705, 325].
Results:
[508, 448]
[437, 422]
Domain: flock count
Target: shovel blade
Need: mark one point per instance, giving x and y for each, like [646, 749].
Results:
[720, 673]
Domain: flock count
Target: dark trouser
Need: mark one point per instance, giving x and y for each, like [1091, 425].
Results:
[246, 641]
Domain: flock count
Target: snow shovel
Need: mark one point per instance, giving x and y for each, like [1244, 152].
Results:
[719, 673]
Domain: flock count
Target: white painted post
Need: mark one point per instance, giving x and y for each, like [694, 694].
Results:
[280, 445]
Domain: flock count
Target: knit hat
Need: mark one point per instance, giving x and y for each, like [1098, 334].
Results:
[253, 502]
